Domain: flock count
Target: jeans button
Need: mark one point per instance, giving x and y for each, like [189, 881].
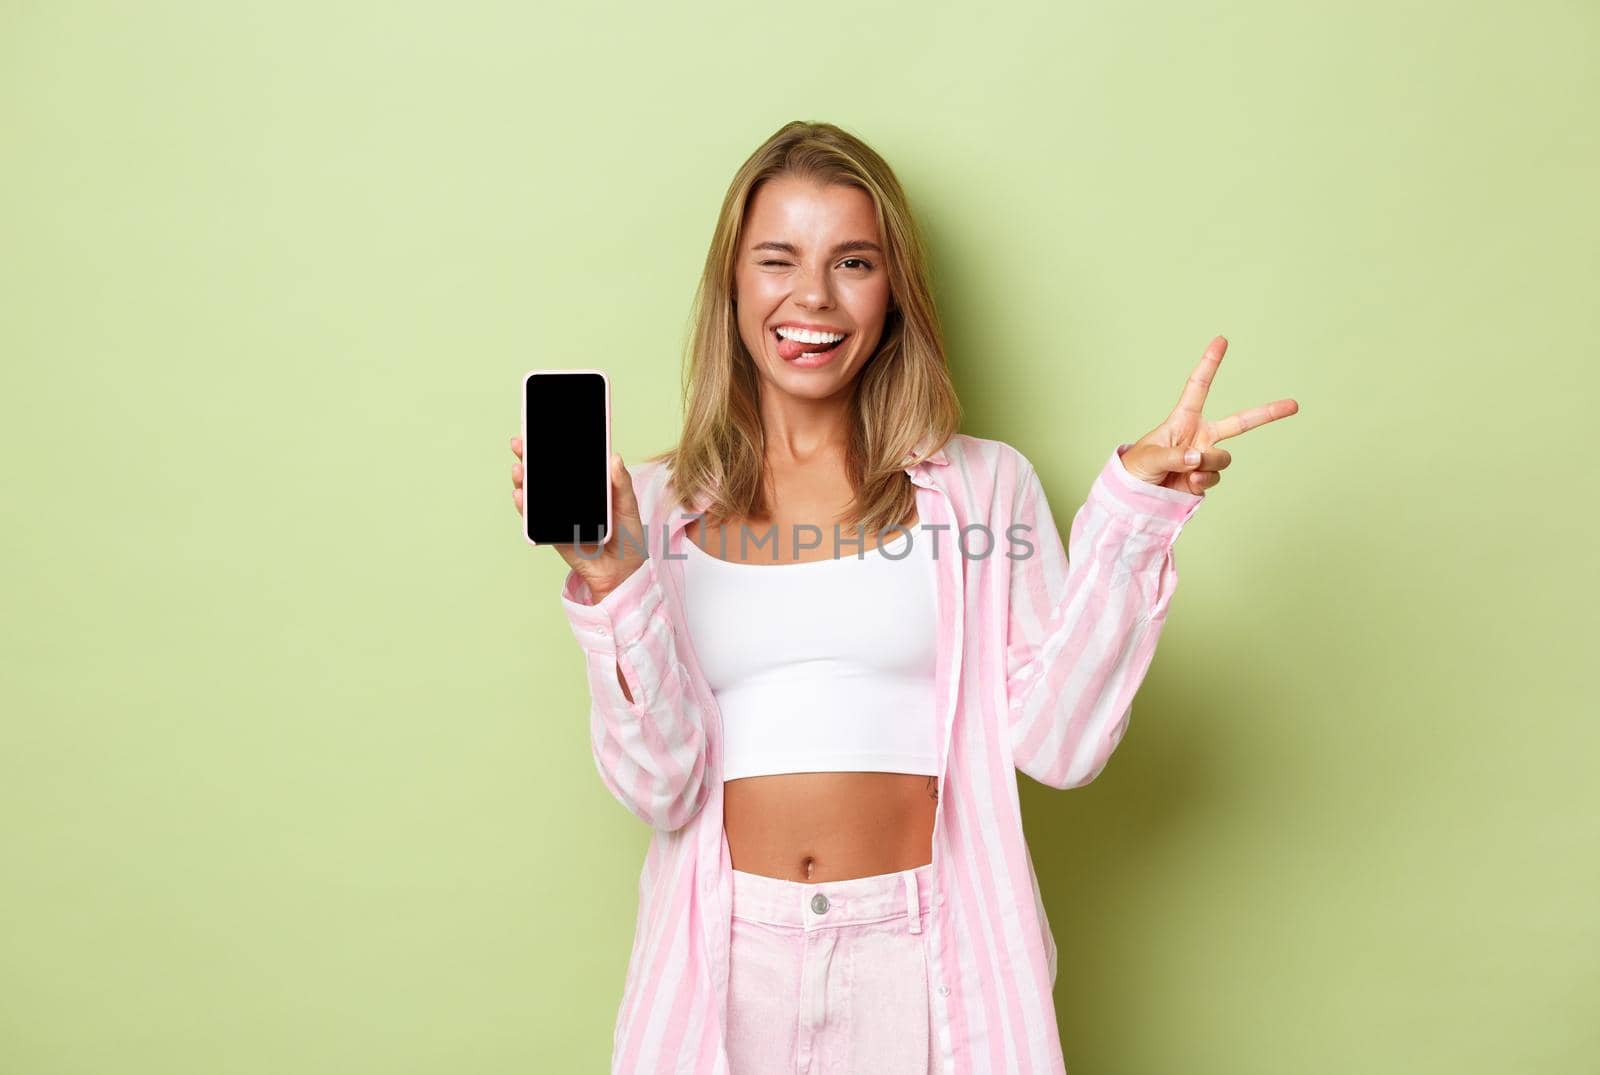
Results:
[819, 903]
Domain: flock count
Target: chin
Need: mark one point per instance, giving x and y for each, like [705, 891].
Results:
[807, 384]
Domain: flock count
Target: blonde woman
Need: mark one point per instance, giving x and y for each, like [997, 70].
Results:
[827, 631]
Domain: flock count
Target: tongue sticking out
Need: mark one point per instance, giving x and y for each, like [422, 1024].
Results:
[791, 349]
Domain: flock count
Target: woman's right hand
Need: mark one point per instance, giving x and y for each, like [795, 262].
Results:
[617, 559]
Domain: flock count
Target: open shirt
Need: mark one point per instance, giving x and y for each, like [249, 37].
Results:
[1041, 649]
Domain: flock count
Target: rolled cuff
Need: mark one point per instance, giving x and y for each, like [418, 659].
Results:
[618, 620]
[1125, 493]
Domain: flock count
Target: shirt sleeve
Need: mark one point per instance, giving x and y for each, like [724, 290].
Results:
[651, 751]
[1084, 620]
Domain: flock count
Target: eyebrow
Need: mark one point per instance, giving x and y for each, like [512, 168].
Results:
[845, 247]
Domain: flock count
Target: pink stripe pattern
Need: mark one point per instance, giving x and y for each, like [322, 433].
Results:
[1042, 648]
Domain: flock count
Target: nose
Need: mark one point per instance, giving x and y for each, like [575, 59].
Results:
[812, 289]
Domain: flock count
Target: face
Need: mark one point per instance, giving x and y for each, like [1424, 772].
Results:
[810, 266]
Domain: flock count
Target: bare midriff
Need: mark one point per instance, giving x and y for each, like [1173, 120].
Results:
[829, 826]
[821, 826]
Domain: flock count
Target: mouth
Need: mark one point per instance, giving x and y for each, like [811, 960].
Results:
[807, 350]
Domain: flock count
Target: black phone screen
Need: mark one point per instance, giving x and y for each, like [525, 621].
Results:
[566, 489]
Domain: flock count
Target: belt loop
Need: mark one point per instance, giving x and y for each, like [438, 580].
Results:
[912, 911]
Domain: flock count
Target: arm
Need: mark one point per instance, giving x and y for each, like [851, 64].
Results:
[646, 728]
[1082, 629]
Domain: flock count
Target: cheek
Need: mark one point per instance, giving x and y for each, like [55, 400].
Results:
[870, 300]
[750, 315]
[764, 288]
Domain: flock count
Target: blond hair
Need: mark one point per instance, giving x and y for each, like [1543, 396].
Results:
[901, 400]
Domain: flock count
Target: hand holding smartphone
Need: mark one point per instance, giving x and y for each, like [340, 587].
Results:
[566, 488]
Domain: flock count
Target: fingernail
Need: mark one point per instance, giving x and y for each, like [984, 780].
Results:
[1191, 457]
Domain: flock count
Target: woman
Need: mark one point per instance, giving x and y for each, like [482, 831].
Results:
[823, 734]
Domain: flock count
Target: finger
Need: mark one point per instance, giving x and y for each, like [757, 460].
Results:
[1201, 480]
[516, 475]
[1235, 424]
[516, 498]
[516, 447]
[1213, 459]
[1193, 400]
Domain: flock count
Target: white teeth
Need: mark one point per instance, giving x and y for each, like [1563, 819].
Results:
[806, 336]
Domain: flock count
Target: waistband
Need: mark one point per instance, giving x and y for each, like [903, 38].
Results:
[812, 905]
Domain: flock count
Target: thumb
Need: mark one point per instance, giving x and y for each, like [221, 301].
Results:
[1183, 459]
[627, 504]
[1153, 462]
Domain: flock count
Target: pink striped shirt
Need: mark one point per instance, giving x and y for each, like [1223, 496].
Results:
[1039, 657]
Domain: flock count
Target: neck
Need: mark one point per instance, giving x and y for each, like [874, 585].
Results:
[801, 431]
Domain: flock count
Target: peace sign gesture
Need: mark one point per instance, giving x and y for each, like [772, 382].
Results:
[1166, 455]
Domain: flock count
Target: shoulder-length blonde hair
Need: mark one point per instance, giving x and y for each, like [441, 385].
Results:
[901, 401]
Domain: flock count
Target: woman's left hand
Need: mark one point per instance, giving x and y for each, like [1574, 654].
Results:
[1162, 456]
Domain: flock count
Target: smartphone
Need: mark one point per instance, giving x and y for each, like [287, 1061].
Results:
[566, 448]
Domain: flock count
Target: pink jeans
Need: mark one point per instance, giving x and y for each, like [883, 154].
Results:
[830, 977]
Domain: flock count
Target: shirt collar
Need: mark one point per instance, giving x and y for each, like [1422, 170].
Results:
[937, 458]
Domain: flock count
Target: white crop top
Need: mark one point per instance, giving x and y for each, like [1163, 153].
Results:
[820, 666]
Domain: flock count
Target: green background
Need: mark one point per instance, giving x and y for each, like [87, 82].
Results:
[295, 775]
